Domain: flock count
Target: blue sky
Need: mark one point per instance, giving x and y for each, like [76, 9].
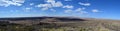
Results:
[108, 9]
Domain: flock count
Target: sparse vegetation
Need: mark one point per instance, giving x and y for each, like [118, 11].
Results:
[58, 25]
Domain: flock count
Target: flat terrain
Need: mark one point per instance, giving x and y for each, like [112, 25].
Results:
[58, 24]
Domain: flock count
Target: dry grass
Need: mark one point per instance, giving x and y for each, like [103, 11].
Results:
[55, 24]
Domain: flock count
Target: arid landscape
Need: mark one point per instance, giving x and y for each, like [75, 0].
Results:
[58, 24]
[59, 15]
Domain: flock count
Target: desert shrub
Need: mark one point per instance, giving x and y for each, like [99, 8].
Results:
[2, 30]
[64, 29]
[52, 29]
[21, 28]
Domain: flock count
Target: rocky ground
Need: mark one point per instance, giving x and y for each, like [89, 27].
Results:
[58, 24]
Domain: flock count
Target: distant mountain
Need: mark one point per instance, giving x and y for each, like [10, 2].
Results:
[33, 18]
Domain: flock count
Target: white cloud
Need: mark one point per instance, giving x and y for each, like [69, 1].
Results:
[45, 8]
[7, 3]
[53, 10]
[19, 1]
[50, 1]
[44, 5]
[83, 12]
[27, 9]
[67, 0]
[50, 4]
[95, 10]
[84, 4]
[4, 3]
[79, 9]
[68, 11]
[68, 6]
[31, 4]
[54, 3]
[57, 4]
[14, 10]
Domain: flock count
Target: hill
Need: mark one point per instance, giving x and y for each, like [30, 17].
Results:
[58, 24]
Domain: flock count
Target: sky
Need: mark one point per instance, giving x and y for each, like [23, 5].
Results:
[108, 9]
